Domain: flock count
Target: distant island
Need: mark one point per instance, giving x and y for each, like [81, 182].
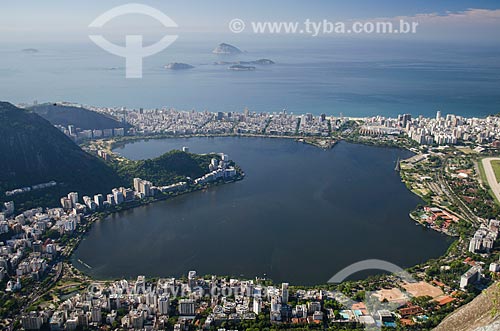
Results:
[256, 62]
[226, 49]
[178, 66]
[30, 50]
[239, 67]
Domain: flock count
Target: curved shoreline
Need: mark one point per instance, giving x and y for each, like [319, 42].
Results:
[112, 144]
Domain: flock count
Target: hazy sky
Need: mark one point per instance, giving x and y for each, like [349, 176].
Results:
[58, 20]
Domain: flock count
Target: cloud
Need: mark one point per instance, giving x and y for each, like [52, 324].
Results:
[470, 24]
[469, 16]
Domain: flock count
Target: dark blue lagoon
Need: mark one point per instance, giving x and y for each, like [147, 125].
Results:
[300, 215]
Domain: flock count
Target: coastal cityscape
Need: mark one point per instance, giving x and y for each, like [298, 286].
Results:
[259, 166]
[443, 129]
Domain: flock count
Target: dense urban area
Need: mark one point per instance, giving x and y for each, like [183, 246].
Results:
[454, 170]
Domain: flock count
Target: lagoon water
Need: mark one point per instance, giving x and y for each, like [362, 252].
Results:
[300, 215]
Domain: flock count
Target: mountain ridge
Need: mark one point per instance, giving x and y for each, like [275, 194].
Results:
[80, 117]
[34, 151]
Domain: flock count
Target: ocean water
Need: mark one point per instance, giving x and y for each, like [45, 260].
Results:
[333, 76]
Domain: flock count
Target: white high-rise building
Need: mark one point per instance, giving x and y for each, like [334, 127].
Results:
[192, 279]
[73, 196]
[257, 305]
[140, 285]
[99, 200]
[275, 304]
[186, 307]
[438, 115]
[145, 188]
[9, 207]
[137, 184]
[66, 203]
[96, 315]
[284, 293]
[471, 276]
[118, 196]
[163, 304]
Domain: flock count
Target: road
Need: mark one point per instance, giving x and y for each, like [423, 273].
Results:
[490, 175]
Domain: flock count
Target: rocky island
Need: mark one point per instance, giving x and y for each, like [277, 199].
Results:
[178, 66]
[226, 49]
[30, 50]
[256, 62]
[239, 67]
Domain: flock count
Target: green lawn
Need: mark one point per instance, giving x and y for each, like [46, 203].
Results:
[495, 164]
[483, 177]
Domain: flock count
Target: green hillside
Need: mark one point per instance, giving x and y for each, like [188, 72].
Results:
[166, 169]
[79, 117]
[33, 151]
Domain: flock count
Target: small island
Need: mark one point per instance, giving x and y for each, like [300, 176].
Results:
[239, 67]
[178, 66]
[256, 62]
[30, 50]
[226, 49]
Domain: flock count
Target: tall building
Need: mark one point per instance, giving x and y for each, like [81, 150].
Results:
[99, 200]
[143, 187]
[192, 279]
[118, 196]
[110, 199]
[186, 307]
[284, 293]
[66, 203]
[163, 304]
[438, 115]
[275, 304]
[257, 305]
[470, 277]
[404, 119]
[73, 196]
[140, 285]
[137, 184]
[96, 315]
[9, 207]
[33, 321]
[128, 194]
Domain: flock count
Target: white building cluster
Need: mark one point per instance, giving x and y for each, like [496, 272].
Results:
[148, 305]
[80, 134]
[217, 170]
[484, 238]
[313, 125]
[450, 129]
[441, 130]
[176, 122]
[30, 188]
[30, 251]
